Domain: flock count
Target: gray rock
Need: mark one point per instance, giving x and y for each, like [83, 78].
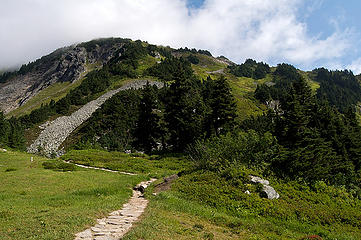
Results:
[269, 192]
[255, 179]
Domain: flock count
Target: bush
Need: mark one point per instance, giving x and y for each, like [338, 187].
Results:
[233, 150]
[193, 59]
[10, 169]
[58, 166]
[332, 206]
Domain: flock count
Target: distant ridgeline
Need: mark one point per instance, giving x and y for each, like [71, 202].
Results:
[311, 137]
[25, 68]
[250, 69]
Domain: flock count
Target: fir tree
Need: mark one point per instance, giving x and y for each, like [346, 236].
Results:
[148, 129]
[221, 106]
[185, 110]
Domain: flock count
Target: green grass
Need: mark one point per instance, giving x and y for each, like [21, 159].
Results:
[243, 89]
[170, 217]
[196, 210]
[145, 63]
[203, 205]
[154, 166]
[206, 66]
[36, 203]
[308, 76]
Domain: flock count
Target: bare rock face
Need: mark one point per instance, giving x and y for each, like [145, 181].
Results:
[64, 65]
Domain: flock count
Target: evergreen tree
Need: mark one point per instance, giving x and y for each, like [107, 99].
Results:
[220, 104]
[4, 130]
[148, 131]
[262, 93]
[16, 136]
[185, 110]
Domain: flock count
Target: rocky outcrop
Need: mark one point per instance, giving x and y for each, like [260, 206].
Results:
[55, 133]
[64, 65]
[267, 191]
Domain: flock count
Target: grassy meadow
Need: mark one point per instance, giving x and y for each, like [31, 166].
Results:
[36, 203]
[204, 205]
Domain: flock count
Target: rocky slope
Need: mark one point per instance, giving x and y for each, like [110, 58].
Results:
[64, 65]
[55, 133]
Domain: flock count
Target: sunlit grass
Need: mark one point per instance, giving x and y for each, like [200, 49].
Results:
[44, 204]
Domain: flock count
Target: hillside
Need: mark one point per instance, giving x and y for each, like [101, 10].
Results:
[255, 151]
[63, 67]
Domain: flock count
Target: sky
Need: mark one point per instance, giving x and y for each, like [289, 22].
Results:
[305, 33]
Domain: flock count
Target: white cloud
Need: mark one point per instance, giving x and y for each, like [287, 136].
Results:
[266, 30]
[355, 66]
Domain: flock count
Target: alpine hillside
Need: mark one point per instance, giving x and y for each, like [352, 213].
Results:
[229, 150]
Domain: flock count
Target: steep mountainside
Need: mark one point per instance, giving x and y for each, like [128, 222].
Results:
[64, 65]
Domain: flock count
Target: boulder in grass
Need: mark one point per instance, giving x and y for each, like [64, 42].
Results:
[255, 179]
[269, 192]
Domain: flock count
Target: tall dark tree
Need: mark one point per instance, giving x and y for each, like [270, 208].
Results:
[148, 131]
[220, 104]
[185, 110]
[4, 130]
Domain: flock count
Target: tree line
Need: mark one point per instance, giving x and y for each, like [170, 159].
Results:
[169, 118]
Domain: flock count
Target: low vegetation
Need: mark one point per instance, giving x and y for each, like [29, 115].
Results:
[153, 166]
[38, 203]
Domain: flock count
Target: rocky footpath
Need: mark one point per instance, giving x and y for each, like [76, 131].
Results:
[118, 223]
[55, 133]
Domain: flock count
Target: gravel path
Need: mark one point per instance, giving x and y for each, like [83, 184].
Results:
[118, 223]
[102, 169]
[58, 130]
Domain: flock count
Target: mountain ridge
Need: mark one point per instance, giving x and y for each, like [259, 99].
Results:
[66, 64]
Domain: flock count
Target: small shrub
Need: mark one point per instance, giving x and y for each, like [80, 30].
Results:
[198, 226]
[58, 166]
[49, 165]
[208, 235]
[10, 169]
[312, 237]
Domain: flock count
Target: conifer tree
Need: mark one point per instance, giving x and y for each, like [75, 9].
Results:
[4, 130]
[185, 110]
[221, 106]
[148, 129]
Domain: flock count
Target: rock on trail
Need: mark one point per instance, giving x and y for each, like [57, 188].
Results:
[58, 130]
